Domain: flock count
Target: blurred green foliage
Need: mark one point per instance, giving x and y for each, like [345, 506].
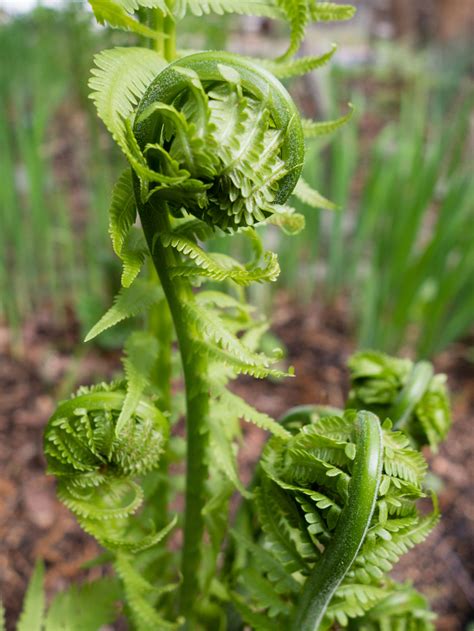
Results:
[399, 248]
[53, 198]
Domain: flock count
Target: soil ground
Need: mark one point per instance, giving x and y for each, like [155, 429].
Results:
[33, 524]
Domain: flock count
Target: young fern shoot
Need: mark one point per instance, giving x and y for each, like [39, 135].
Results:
[215, 145]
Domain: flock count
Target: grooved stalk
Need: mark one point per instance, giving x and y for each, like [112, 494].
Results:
[351, 527]
[178, 293]
[161, 326]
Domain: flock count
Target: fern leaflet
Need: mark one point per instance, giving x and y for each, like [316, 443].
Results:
[31, 618]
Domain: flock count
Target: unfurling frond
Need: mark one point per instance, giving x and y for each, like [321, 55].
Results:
[96, 466]
[415, 400]
[309, 501]
[225, 133]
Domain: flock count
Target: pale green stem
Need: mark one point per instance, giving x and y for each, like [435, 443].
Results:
[156, 22]
[351, 527]
[195, 367]
[160, 325]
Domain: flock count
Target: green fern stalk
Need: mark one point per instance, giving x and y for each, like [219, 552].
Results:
[179, 293]
[352, 526]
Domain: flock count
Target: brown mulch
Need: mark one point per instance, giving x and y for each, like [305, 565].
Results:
[34, 524]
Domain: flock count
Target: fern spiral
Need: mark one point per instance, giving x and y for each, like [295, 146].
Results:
[96, 467]
[410, 394]
[316, 533]
[224, 138]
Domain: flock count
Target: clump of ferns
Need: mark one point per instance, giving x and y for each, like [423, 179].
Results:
[215, 145]
[327, 534]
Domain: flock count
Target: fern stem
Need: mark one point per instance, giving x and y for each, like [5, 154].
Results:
[414, 389]
[156, 21]
[160, 325]
[351, 528]
[195, 366]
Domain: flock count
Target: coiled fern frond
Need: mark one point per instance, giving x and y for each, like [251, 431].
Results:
[409, 393]
[315, 530]
[227, 136]
[97, 468]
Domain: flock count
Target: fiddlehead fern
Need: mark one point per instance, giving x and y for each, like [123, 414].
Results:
[410, 394]
[230, 135]
[335, 516]
[97, 468]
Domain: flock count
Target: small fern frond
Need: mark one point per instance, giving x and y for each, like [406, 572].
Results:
[118, 82]
[379, 555]
[304, 192]
[297, 67]
[225, 359]
[297, 15]
[281, 525]
[315, 129]
[128, 303]
[283, 580]
[133, 255]
[141, 351]
[32, 615]
[122, 211]
[402, 608]
[269, 272]
[138, 592]
[242, 409]
[133, 541]
[223, 454]
[213, 330]
[87, 607]
[288, 220]
[352, 600]
[330, 11]
[117, 13]
[433, 412]
[217, 266]
[262, 8]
